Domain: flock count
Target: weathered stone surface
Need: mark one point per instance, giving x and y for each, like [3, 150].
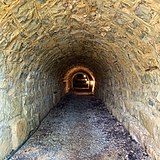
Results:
[19, 132]
[158, 96]
[147, 121]
[118, 40]
[2, 105]
[144, 12]
[5, 141]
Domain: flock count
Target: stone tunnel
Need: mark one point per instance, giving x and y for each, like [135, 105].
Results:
[43, 42]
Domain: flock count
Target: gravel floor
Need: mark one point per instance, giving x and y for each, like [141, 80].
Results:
[80, 128]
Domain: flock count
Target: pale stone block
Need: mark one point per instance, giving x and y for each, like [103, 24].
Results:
[158, 96]
[19, 132]
[3, 84]
[5, 141]
[148, 122]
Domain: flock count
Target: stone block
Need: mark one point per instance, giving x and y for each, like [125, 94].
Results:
[147, 120]
[138, 132]
[34, 122]
[158, 97]
[143, 12]
[19, 132]
[5, 141]
[13, 107]
[157, 131]
[3, 84]
[2, 105]
[1, 115]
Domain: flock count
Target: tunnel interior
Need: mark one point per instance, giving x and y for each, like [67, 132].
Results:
[79, 80]
[44, 43]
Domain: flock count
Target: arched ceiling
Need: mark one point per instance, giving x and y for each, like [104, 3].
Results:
[118, 40]
[103, 34]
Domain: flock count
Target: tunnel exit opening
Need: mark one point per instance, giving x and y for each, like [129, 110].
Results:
[79, 80]
[82, 83]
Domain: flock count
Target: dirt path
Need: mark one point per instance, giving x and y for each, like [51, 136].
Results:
[80, 128]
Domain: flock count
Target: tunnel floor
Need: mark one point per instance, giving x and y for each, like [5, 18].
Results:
[80, 128]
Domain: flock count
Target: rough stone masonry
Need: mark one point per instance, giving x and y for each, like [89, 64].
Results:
[118, 40]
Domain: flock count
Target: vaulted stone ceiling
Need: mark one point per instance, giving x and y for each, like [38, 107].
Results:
[118, 40]
[116, 31]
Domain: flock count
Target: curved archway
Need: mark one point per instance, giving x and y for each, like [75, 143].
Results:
[79, 80]
[86, 84]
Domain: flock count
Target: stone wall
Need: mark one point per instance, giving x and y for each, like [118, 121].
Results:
[40, 40]
[25, 103]
[136, 105]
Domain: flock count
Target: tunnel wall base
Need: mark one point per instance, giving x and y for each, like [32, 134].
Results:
[141, 120]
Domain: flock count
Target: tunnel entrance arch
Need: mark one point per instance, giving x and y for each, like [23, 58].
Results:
[79, 80]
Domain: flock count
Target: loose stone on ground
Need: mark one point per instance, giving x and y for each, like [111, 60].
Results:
[80, 128]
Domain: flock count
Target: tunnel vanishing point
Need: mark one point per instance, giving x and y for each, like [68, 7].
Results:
[43, 43]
